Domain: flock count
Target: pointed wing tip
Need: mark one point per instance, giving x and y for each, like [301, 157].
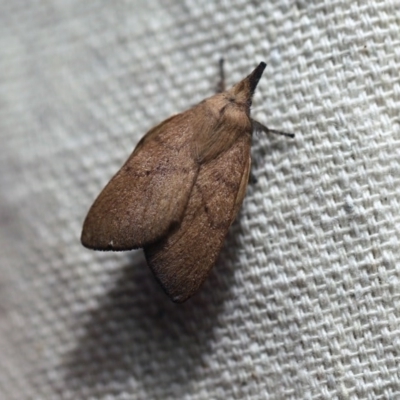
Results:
[99, 244]
[177, 295]
[96, 246]
[179, 299]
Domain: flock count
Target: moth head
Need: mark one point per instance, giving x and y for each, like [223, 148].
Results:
[243, 91]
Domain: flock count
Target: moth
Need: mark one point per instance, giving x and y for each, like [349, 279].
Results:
[180, 190]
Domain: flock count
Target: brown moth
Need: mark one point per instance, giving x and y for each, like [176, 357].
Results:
[180, 190]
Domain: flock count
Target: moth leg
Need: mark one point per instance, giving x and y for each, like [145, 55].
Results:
[252, 179]
[221, 83]
[258, 126]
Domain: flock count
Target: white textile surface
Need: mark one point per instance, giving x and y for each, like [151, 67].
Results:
[304, 301]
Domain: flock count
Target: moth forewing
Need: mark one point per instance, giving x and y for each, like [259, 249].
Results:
[148, 194]
[183, 258]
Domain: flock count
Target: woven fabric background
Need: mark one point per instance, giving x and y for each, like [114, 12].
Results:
[304, 302]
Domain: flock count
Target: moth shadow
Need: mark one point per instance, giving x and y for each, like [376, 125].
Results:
[136, 335]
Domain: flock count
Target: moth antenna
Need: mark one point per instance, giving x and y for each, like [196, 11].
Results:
[258, 126]
[291, 135]
[221, 83]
